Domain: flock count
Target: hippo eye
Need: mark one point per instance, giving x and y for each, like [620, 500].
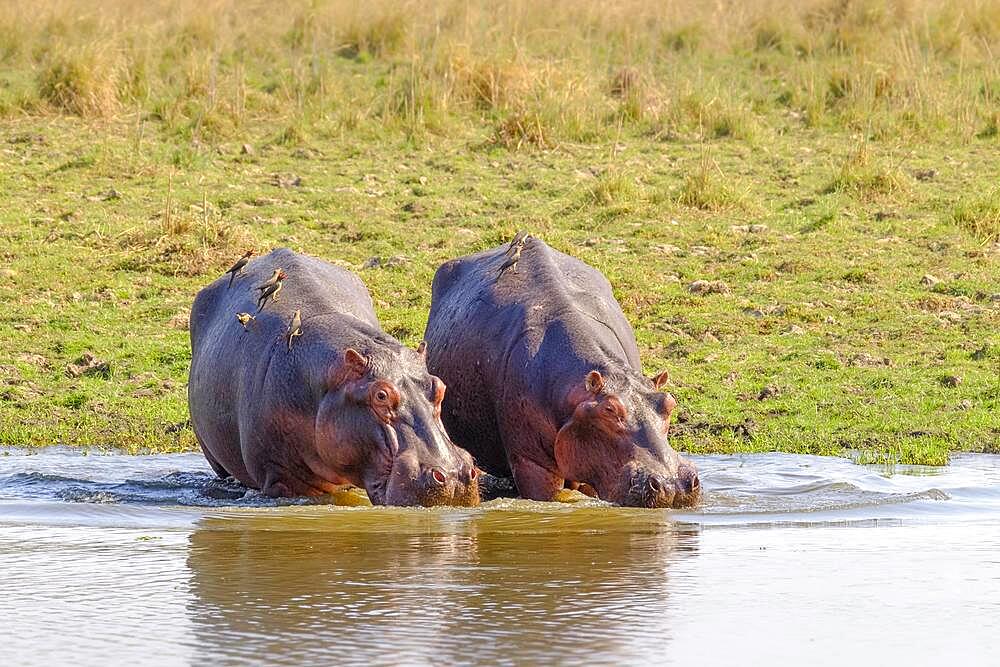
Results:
[381, 396]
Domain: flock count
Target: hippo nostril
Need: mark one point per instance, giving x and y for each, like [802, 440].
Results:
[654, 485]
[438, 476]
[473, 474]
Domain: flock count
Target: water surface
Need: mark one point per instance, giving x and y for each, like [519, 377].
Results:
[110, 559]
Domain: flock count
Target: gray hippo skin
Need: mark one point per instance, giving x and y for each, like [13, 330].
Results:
[342, 403]
[544, 380]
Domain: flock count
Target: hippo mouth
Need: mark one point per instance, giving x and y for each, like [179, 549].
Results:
[378, 489]
[403, 477]
[656, 492]
[377, 492]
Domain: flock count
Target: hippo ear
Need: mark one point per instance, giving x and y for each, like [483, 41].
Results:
[422, 348]
[355, 362]
[594, 382]
[667, 405]
[660, 380]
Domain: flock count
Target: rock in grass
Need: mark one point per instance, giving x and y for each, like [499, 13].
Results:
[966, 404]
[770, 391]
[89, 365]
[708, 287]
[105, 195]
[181, 320]
[396, 260]
[286, 181]
[865, 360]
[950, 380]
[33, 359]
[929, 280]
[372, 263]
[668, 249]
[749, 229]
[981, 353]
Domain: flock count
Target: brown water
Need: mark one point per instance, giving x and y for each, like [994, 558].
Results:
[111, 559]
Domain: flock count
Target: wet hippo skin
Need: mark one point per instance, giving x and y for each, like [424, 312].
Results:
[340, 403]
[544, 380]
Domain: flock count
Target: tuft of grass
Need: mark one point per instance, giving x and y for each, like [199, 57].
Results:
[920, 450]
[863, 175]
[491, 83]
[735, 123]
[292, 135]
[522, 128]
[709, 189]
[980, 215]
[614, 188]
[634, 94]
[382, 31]
[82, 82]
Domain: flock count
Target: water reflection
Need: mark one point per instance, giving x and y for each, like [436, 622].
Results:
[588, 586]
[796, 560]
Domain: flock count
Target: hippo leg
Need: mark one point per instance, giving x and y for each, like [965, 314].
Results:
[216, 466]
[582, 487]
[287, 483]
[275, 489]
[535, 482]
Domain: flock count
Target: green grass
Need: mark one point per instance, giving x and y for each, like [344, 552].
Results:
[819, 188]
[979, 214]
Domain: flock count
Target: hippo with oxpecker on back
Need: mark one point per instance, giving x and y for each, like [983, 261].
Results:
[544, 379]
[310, 395]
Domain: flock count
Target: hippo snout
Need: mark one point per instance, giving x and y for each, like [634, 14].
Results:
[457, 487]
[652, 489]
[436, 477]
[428, 485]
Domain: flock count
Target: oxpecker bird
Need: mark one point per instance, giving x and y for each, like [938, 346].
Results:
[511, 262]
[518, 241]
[273, 280]
[294, 327]
[270, 292]
[237, 268]
[245, 319]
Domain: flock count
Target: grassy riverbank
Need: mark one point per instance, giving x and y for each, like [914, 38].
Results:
[799, 209]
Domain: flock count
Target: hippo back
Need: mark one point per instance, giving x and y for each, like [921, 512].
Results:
[330, 289]
[230, 365]
[507, 343]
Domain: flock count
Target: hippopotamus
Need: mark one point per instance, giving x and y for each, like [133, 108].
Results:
[544, 379]
[310, 395]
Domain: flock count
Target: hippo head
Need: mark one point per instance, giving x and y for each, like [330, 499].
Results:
[380, 428]
[616, 441]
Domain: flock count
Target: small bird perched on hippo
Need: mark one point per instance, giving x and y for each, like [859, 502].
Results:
[347, 404]
[270, 288]
[238, 269]
[545, 383]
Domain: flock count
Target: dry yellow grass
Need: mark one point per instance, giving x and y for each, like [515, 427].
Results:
[682, 68]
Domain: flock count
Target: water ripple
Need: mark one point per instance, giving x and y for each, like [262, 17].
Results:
[737, 489]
